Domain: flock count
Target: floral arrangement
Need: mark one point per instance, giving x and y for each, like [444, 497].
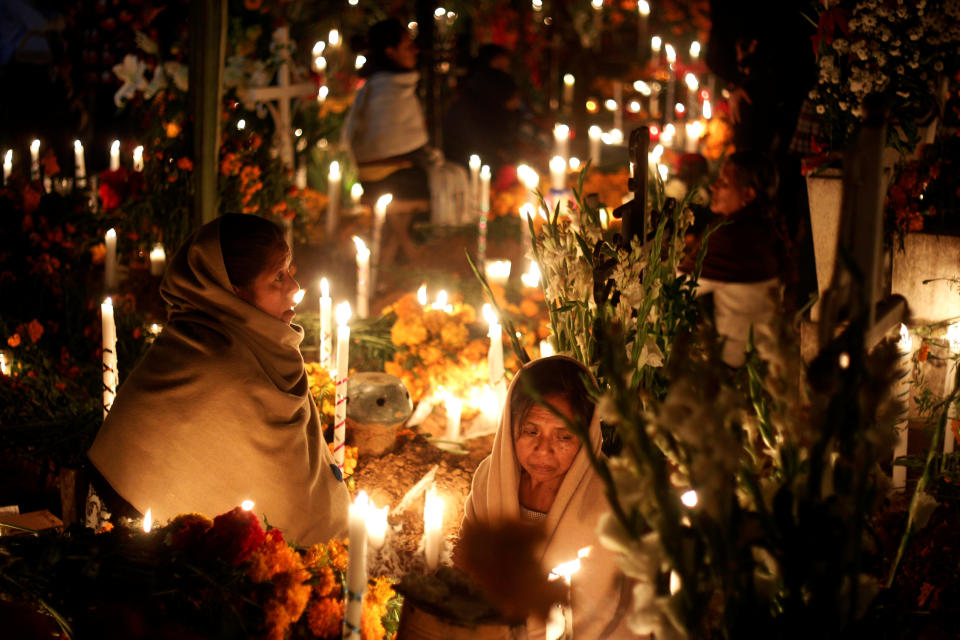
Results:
[435, 348]
[923, 194]
[896, 52]
[226, 576]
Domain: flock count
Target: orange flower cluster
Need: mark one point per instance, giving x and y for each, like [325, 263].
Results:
[250, 184]
[379, 593]
[230, 164]
[323, 390]
[277, 562]
[508, 202]
[531, 320]
[350, 456]
[435, 348]
[33, 330]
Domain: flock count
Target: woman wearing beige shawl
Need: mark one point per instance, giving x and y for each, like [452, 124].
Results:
[539, 473]
[219, 409]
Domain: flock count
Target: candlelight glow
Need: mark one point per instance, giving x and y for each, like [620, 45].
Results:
[657, 153]
[422, 295]
[663, 171]
[376, 524]
[691, 80]
[596, 4]
[356, 191]
[695, 129]
[671, 53]
[610, 104]
[546, 349]
[574, 163]
[343, 314]
[318, 47]
[323, 92]
[137, 157]
[247, 505]
[566, 570]
[642, 87]
[320, 63]
[557, 163]
[324, 288]
[441, 301]
[8, 158]
[695, 49]
[362, 251]
[298, 296]
[679, 108]
[5, 367]
[561, 131]
[498, 271]
[568, 79]
[111, 235]
[433, 510]
[689, 498]
[34, 147]
[594, 132]
[383, 201]
[115, 147]
[592, 106]
[643, 7]
[334, 173]
[526, 211]
[906, 341]
[633, 106]
[532, 277]
[675, 583]
[707, 109]
[489, 314]
[485, 172]
[333, 37]
[656, 42]
[241, 124]
[474, 161]
[77, 146]
[528, 176]
[844, 360]
[147, 521]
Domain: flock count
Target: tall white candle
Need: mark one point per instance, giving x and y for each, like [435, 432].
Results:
[333, 195]
[377, 525]
[949, 380]
[569, 82]
[138, 158]
[484, 213]
[656, 44]
[561, 140]
[109, 337]
[7, 165]
[158, 260]
[35, 160]
[695, 50]
[498, 272]
[115, 155]
[546, 349]
[356, 192]
[79, 164]
[379, 217]
[363, 277]
[558, 173]
[904, 346]
[594, 133]
[432, 529]
[110, 260]
[474, 200]
[326, 315]
[454, 409]
[343, 372]
[357, 567]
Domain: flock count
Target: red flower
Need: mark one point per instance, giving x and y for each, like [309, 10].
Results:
[234, 535]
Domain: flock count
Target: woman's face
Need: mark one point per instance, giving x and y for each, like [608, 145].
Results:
[404, 54]
[545, 447]
[726, 196]
[274, 289]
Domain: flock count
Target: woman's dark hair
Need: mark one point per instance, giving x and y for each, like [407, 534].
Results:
[550, 377]
[381, 36]
[248, 243]
[755, 170]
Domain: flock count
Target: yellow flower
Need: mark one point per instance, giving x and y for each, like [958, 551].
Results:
[454, 335]
[339, 556]
[407, 331]
[379, 593]
[325, 617]
[433, 320]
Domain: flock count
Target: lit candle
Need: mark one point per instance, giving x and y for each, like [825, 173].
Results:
[334, 38]
[454, 409]
[546, 349]
[7, 165]
[904, 346]
[558, 173]
[949, 379]
[594, 133]
[432, 529]
[138, 158]
[158, 260]
[110, 260]
[695, 50]
[441, 302]
[115, 155]
[343, 371]
[422, 295]
[565, 570]
[568, 85]
[6, 363]
[643, 8]
[326, 307]
[333, 197]
[356, 583]
[495, 352]
[109, 337]
[694, 131]
[474, 200]
[656, 44]
[654, 101]
[379, 217]
[670, 53]
[148, 521]
[498, 272]
[363, 277]
[484, 214]
[707, 109]
[35, 160]
[561, 140]
[531, 278]
[377, 525]
[79, 164]
[356, 192]
[247, 505]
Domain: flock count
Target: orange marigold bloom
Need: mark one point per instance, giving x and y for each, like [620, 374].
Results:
[327, 584]
[325, 617]
[290, 597]
[407, 331]
[529, 308]
[454, 335]
[14, 340]
[272, 558]
[339, 556]
[172, 129]
[185, 163]
[924, 352]
[379, 593]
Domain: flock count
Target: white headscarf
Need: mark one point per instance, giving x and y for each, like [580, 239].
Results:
[600, 593]
[219, 411]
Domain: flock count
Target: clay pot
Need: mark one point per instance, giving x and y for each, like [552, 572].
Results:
[377, 406]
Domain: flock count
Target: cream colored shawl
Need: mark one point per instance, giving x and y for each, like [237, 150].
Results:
[600, 592]
[219, 411]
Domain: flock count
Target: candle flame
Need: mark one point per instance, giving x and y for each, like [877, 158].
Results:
[323, 91]
[247, 505]
[532, 277]
[343, 314]
[359, 62]
[546, 349]
[376, 522]
[111, 234]
[422, 295]
[298, 296]
[642, 87]
[574, 163]
[498, 270]
[489, 314]
[334, 173]
[695, 49]
[691, 80]
[643, 7]
[906, 341]
[382, 203]
[671, 53]
[485, 172]
[441, 301]
[333, 37]
[115, 147]
[656, 42]
[107, 303]
[474, 161]
[8, 157]
[77, 145]
[689, 498]
[526, 211]
[324, 288]
[594, 132]
[557, 163]
[568, 79]
[362, 502]
[35, 146]
[561, 131]
[318, 47]
[362, 251]
[147, 521]
[566, 570]
[707, 109]
[356, 191]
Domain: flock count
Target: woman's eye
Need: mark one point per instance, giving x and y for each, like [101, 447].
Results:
[280, 276]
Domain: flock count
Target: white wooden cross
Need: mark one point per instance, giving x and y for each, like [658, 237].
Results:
[282, 93]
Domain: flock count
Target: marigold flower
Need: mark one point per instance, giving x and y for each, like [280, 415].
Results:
[454, 335]
[14, 340]
[235, 535]
[185, 163]
[325, 617]
[379, 593]
[186, 529]
[172, 129]
[339, 556]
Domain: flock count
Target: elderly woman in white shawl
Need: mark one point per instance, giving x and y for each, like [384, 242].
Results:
[540, 474]
[219, 410]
